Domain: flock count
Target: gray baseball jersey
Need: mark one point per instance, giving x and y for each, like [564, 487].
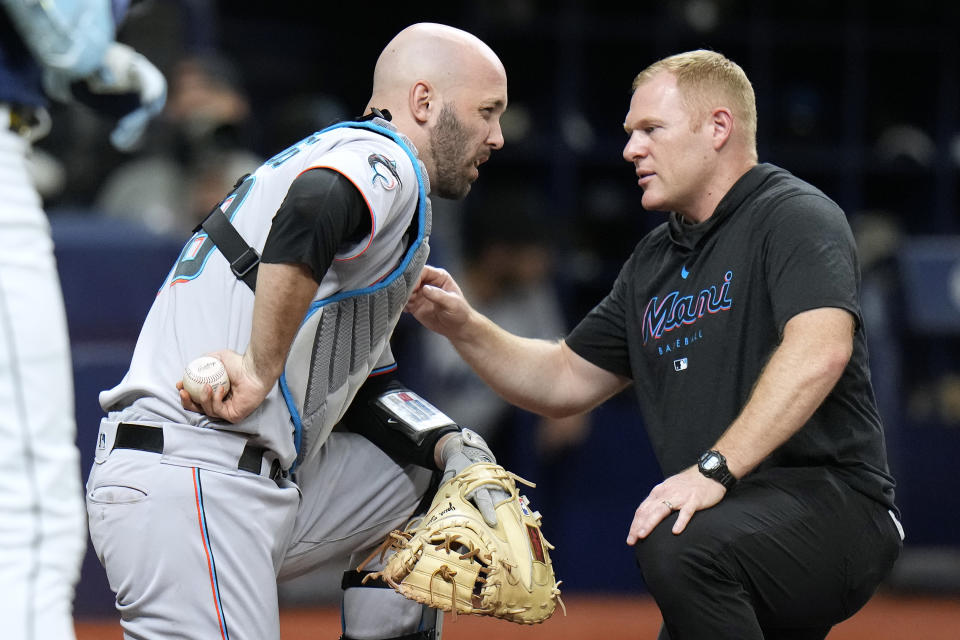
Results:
[191, 540]
[202, 307]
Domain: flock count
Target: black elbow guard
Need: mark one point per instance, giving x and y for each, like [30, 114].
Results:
[397, 420]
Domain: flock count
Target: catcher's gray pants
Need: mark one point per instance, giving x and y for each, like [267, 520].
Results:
[193, 548]
[354, 495]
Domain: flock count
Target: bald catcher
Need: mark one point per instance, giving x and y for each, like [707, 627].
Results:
[296, 281]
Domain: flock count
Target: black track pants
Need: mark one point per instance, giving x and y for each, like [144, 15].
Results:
[787, 554]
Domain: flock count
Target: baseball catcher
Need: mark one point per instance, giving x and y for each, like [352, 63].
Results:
[479, 548]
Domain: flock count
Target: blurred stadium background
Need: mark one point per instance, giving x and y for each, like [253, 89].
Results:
[860, 98]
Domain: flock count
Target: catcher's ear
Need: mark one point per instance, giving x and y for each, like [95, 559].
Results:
[422, 99]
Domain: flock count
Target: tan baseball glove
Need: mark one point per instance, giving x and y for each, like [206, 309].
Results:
[453, 560]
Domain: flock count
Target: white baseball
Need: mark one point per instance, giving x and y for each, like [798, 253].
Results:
[205, 370]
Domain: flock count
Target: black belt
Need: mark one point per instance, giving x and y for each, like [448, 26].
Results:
[145, 438]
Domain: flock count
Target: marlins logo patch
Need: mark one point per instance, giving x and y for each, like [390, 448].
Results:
[384, 171]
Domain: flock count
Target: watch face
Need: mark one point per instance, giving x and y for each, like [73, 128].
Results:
[710, 462]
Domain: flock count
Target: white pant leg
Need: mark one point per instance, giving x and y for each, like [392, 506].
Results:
[42, 533]
[354, 494]
[190, 553]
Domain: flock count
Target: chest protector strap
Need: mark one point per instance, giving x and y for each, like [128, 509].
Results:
[244, 259]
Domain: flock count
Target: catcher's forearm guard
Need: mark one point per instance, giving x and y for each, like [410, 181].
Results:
[397, 420]
[452, 560]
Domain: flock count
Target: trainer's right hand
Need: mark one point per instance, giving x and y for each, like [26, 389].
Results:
[438, 303]
[247, 390]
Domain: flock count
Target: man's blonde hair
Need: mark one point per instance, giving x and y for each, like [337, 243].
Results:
[707, 79]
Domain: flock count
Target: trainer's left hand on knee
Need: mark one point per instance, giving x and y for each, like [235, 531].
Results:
[686, 492]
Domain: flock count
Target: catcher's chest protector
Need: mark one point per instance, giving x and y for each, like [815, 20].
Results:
[345, 336]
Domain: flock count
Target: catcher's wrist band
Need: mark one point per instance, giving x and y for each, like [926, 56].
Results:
[412, 415]
[404, 426]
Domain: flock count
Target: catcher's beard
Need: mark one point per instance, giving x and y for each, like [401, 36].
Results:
[448, 139]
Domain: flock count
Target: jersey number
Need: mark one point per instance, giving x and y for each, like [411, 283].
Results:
[194, 256]
[291, 151]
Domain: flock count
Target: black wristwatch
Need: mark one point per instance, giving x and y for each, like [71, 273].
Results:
[713, 465]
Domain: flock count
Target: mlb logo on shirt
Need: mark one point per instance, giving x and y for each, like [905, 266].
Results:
[679, 364]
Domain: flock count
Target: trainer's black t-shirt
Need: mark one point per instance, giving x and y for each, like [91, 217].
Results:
[697, 311]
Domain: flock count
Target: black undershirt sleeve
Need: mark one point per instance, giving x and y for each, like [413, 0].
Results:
[322, 211]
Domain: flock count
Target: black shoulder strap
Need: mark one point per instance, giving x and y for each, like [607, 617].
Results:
[244, 259]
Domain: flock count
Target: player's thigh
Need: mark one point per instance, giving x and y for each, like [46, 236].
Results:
[42, 527]
[37, 387]
[189, 549]
[36, 409]
[354, 494]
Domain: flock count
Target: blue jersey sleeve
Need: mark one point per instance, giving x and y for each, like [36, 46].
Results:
[70, 36]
